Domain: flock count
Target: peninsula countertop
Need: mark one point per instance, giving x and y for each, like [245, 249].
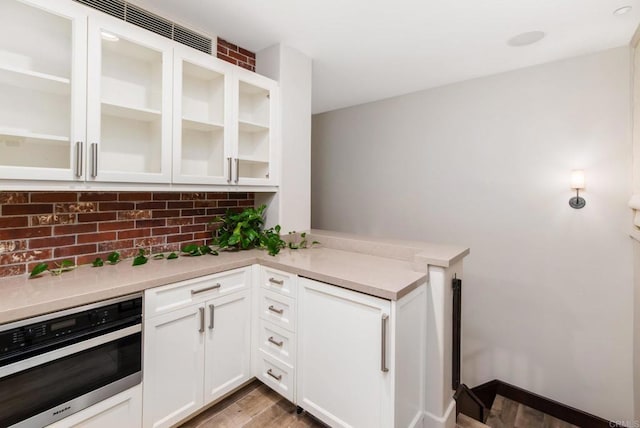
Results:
[387, 270]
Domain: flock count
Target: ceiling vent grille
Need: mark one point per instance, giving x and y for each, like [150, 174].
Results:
[149, 21]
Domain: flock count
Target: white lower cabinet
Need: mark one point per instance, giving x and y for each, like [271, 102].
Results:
[195, 354]
[347, 358]
[123, 410]
[173, 366]
[228, 344]
[348, 352]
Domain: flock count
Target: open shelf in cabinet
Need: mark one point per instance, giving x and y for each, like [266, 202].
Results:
[202, 153]
[202, 94]
[127, 112]
[24, 78]
[42, 49]
[130, 145]
[250, 168]
[24, 149]
[131, 76]
[254, 105]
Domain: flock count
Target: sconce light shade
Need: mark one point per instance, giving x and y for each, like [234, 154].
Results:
[577, 179]
[577, 183]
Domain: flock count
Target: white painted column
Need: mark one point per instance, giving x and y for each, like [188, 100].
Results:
[291, 206]
[440, 406]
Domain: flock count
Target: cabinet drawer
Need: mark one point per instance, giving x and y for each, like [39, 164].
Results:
[276, 375]
[174, 296]
[278, 281]
[277, 309]
[277, 342]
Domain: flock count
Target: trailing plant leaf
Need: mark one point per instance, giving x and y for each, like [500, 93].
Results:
[140, 259]
[172, 256]
[38, 269]
[113, 258]
[63, 266]
[194, 250]
[98, 262]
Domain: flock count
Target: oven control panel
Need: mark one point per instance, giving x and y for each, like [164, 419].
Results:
[17, 337]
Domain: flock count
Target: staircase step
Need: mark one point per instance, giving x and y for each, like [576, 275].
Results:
[465, 421]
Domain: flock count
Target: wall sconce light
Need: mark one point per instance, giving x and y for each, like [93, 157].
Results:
[577, 183]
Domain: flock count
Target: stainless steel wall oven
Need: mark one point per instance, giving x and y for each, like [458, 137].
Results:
[57, 364]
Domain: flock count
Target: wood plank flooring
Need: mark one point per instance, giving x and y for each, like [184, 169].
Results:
[254, 406]
[506, 413]
[257, 406]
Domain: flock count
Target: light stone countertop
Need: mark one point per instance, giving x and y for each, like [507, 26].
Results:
[338, 261]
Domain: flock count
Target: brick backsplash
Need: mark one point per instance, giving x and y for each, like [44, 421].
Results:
[49, 227]
[236, 55]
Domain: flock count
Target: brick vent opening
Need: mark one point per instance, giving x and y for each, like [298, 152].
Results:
[50, 227]
[236, 55]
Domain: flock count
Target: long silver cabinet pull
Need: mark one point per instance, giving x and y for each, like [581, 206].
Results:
[201, 310]
[79, 158]
[383, 350]
[275, 342]
[230, 169]
[211, 315]
[94, 159]
[213, 287]
[276, 281]
[237, 170]
[277, 311]
[276, 377]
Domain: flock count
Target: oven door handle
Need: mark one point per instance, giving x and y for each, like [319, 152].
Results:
[37, 360]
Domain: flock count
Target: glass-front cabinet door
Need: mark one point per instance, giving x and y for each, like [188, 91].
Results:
[129, 104]
[201, 102]
[43, 87]
[255, 129]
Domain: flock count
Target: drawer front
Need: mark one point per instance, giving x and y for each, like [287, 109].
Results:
[278, 281]
[161, 300]
[277, 342]
[276, 375]
[278, 309]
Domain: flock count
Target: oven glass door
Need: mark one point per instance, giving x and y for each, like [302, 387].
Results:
[38, 385]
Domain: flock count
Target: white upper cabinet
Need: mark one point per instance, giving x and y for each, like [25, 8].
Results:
[129, 103]
[254, 128]
[201, 111]
[89, 98]
[43, 84]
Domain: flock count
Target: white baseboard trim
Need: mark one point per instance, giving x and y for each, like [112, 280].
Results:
[448, 420]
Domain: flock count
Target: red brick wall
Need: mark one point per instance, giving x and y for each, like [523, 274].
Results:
[80, 226]
[236, 55]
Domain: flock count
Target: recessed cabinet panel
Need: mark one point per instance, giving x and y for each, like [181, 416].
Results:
[255, 129]
[42, 82]
[200, 107]
[129, 118]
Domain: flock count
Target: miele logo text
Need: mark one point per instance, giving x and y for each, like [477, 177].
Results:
[57, 412]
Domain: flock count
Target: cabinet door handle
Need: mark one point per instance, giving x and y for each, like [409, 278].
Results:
[213, 287]
[211, 315]
[276, 377]
[237, 170]
[276, 281]
[275, 342]
[277, 311]
[201, 310]
[383, 341]
[79, 158]
[94, 160]
[229, 170]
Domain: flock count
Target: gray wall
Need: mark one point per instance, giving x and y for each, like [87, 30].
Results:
[548, 291]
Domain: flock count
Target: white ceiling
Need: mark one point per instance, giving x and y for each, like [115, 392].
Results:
[366, 50]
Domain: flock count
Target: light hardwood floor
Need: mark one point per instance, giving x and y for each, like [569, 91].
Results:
[257, 406]
[254, 406]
